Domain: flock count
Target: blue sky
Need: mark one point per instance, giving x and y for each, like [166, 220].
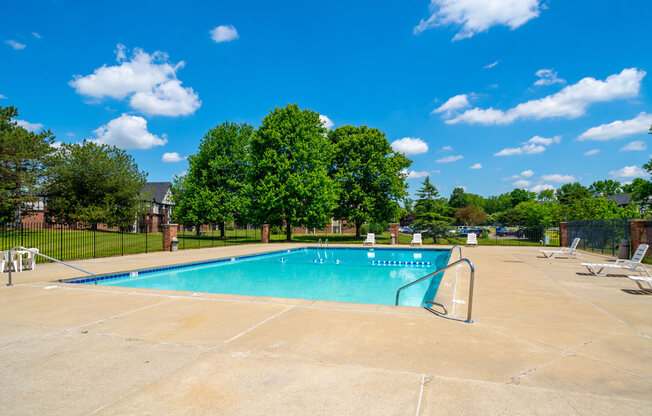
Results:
[521, 90]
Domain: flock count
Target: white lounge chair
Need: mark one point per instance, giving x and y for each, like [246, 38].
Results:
[642, 279]
[566, 251]
[5, 262]
[416, 239]
[633, 265]
[371, 239]
[471, 239]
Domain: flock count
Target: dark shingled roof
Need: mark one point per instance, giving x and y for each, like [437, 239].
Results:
[158, 190]
[620, 199]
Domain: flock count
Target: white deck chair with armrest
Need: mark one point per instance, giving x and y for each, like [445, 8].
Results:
[633, 265]
[6, 262]
[371, 239]
[416, 239]
[565, 251]
[30, 261]
[472, 239]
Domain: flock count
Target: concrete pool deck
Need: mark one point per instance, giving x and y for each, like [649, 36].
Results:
[547, 339]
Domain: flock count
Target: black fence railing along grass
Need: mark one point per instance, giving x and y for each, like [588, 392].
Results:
[600, 236]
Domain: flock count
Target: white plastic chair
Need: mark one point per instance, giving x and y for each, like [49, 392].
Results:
[566, 251]
[416, 239]
[30, 261]
[6, 262]
[471, 239]
[642, 279]
[633, 265]
[371, 239]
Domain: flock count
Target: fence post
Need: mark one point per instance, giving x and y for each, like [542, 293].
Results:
[146, 243]
[122, 243]
[563, 234]
[637, 233]
[94, 231]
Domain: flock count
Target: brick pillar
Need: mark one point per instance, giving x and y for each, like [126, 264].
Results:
[393, 229]
[169, 232]
[638, 233]
[563, 235]
[264, 234]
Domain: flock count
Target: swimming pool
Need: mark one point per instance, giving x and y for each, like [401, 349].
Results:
[358, 275]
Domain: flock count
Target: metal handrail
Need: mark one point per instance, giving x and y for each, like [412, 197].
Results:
[459, 248]
[47, 257]
[469, 310]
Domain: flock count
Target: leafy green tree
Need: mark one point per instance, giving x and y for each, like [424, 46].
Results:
[289, 183]
[431, 212]
[605, 187]
[22, 156]
[93, 184]
[546, 195]
[458, 198]
[471, 215]
[521, 195]
[510, 216]
[594, 208]
[368, 175]
[544, 214]
[494, 204]
[214, 189]
[569, 193]
[640, 189]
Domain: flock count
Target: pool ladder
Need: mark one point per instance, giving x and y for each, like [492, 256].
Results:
[47, 257]
[325, 244]
[430, 275]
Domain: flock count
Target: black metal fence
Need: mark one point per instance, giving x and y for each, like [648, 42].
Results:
[516, 235]
[601, 236]
[71, 242]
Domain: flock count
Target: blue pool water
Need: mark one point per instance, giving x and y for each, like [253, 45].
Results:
[336, 274]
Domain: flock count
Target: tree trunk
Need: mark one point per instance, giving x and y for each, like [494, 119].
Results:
[288, 231]
[358, 225]
[222, 229]
[198, 230]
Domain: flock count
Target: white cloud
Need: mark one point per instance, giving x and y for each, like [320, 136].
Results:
[491, 65]
[454, 103]
[37, 35]
[475, 16]
[542, 187]
[571, 102]
[635, 146]
[2, 97]
[16, 45]
[29, 126]
[592, 152]
[533, 146]
[545, 141]
[619, 128]
[527, 173]
[326, 122]
[412, 174]
[410, 146]
[523, 183]
[628, 172]
[558, 178]
[173, 157]
[548, 77]
[150, 80]
[476, 166]
[224, 33]
[127, 132]
[449, 159]
[446, 148]
[70, 134]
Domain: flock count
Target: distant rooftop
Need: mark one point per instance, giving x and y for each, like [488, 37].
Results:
[158, 190]
[620, 199]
